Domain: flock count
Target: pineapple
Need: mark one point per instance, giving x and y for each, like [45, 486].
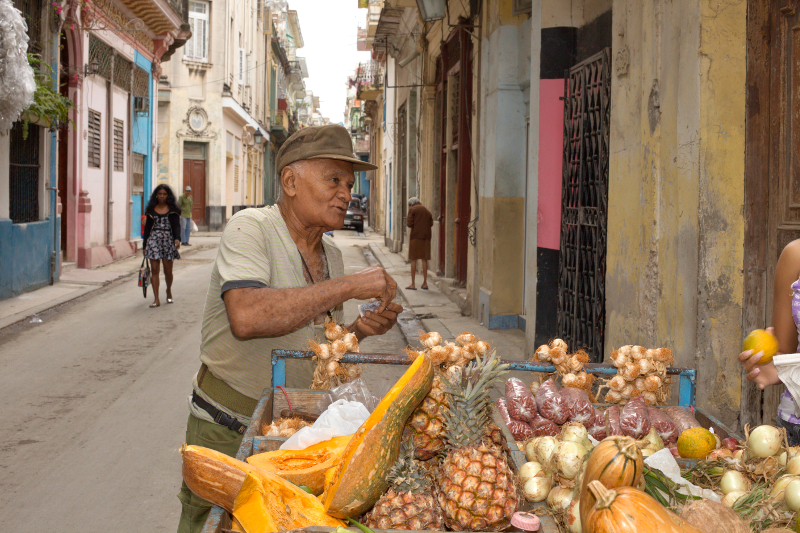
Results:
[427, 421]
[475, 485]
[410, 502]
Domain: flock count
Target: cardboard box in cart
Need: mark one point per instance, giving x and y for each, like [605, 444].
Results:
[273, 401]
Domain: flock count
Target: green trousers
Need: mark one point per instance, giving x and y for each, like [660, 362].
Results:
[210, 435]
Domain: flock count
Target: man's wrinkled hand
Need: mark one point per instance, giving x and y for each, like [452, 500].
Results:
[374, 282]
[375, 322]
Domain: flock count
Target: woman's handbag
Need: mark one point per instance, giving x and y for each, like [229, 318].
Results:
[144, 276]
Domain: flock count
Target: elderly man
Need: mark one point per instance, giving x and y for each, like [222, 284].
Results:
[274, 282]
[420, 220]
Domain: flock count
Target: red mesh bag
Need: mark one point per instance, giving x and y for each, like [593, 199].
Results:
[681, 417]
[521, 404]
[544, 427]
[519, 430]
[633, 418]
[580, 408]
[664, 426]
[551, 404]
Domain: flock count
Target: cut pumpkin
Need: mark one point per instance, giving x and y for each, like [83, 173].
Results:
[358, 480]
[261, 501]
[268, 504]
[303, 467]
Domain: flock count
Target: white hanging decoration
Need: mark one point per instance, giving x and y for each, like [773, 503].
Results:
[17, 83]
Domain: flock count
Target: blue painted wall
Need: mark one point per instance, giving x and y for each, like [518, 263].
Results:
[363, 181]
[24, 256]
[142, 143]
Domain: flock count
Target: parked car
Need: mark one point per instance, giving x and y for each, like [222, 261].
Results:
[355, 216]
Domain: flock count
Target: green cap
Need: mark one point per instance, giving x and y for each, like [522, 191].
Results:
[321, 142]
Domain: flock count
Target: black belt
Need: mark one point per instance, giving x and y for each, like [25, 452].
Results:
[220, 417]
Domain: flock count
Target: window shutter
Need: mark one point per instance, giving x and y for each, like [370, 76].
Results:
[241, 66]
[203, 31]
[93, 139]
[119, 147]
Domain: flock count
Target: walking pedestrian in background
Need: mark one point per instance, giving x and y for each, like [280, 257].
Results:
[186, 202]
[420, 221]
[162, 237]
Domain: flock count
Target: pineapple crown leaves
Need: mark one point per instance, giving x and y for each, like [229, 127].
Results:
[407, 474]
[466, 421]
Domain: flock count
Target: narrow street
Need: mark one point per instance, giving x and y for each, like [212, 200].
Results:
[96, 400]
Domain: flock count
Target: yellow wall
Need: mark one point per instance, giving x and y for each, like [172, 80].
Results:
[675, 229]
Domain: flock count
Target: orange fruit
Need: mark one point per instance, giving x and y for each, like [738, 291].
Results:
[760, 340]
[696, 443]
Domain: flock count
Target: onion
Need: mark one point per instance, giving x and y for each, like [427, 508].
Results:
[731, 443]
[568, 459]
[575, 432]
[731, 497]
[537, 488]
[764, 441]
[721, 453]
[573, 517]
[530, 449]
[793, 466]
[545, 448]
[529, 470]
[734, 481]
[559, 498]
[792, 495]
[778, 492]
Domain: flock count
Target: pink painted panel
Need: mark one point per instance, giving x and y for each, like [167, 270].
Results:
[551, 133]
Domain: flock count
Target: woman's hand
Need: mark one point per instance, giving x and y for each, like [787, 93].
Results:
[177, 243]
[761, 375]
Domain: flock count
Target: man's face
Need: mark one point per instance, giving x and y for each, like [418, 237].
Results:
[323, 192]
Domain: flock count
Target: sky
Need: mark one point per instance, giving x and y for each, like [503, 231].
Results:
[330, 33]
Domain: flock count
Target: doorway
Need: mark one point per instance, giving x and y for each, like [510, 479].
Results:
[584, 205]
[194, 175]
[772, 164]
[63, 146]
[402, 169]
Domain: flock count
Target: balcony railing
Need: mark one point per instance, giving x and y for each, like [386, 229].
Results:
[369, 73]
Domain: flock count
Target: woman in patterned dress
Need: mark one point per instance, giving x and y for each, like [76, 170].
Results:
[786, 328]
[162, 237]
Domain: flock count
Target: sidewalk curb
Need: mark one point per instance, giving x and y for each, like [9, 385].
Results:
[87, 289]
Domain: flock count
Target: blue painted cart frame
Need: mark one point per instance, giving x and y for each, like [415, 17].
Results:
[686, 385]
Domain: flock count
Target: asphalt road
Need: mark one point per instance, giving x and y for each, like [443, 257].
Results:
[95, 405]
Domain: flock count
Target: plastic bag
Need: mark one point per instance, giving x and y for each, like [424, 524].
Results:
[664, 426]
[597, 426]
[519, 430]
[664, 461]
[612, 421]
[339, 419]
[681, 417]
[521, 404]
[633, 418]
[544, 427]
[551, 404]
[580, 408]
[353, 391]
[194, 227]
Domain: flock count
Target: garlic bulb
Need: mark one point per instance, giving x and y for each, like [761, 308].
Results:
[333, 331]
[482, 348]
[650, 397]
[465, 338]
[626, 392]
[338, 349]
[574, 364]
[429, 340]
[652, 383]
[630, 371]
[439, 354]
[542, 353]
[638, 383]
[613, 396]
[617, 383]
[619, 359]
[637, 353]
[646, 366]
[331, 368]
[324, 352]
[350, 342]
[626, 350]
[558, 356]
[558, 343]
[569, 380]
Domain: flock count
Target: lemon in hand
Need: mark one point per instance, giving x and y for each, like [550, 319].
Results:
[760, 340]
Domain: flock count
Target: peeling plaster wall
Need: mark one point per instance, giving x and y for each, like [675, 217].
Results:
[676, 182]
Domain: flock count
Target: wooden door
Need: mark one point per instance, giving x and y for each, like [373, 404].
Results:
[464, 158]
[194, 175]
[772, 171]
